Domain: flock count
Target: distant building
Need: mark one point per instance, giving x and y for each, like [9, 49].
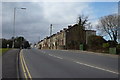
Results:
[68, 38]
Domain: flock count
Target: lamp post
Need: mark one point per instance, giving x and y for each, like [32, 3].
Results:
[13, 45]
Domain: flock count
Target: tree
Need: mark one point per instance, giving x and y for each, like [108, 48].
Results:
[83, 21]
[109, 25]
[19, 41]
[26, 44]
[4, 43]
[10, 41]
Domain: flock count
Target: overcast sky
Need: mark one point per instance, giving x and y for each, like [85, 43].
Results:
[34, 22]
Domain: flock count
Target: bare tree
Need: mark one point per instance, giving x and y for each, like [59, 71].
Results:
[109, 25]
[84, 22]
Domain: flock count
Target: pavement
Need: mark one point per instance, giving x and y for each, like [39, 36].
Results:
[90, 52]
[9, 64]
[67, 64]
[0, 67]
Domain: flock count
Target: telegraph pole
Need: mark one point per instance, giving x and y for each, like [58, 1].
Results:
[50, 36]
[50, 29]
[38, 39]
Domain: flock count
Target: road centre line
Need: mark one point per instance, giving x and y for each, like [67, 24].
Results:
[25, 67]
[96, 67]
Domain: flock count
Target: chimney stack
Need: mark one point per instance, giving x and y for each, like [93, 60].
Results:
[69, 26]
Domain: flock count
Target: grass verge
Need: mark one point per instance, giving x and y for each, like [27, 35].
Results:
[3, 50]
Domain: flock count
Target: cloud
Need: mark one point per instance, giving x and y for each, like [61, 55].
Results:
[29, 22]
[63, 12]
[36, 19]
[61, 1]
[0, 20]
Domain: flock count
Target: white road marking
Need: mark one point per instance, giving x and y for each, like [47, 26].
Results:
[96, 67]
[59, 57]
[55, 56]
[86, 65]
[50, 55]
[43, 52]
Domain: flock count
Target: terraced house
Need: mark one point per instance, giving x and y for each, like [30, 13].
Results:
[68, 38]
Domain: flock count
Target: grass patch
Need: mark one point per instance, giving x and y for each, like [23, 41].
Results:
[3, 50]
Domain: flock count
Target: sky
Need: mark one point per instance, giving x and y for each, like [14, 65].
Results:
[34, 22]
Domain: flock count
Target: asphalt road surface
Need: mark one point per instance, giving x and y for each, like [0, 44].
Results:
[67, 64]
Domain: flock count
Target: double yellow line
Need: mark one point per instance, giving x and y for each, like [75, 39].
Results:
[26, 72]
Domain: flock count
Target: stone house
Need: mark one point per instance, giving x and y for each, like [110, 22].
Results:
[89, 33]
[75, 35]
[68, 38]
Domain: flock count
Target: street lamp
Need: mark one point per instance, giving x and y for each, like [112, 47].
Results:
[13, 45]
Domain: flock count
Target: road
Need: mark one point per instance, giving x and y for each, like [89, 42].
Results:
[67, 64]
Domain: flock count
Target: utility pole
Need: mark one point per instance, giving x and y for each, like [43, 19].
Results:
[50, 36]
[50, 29]
[38, 39]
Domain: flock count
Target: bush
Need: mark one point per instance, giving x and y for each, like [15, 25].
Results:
[106, 45]
[112, 43]
[118, 49]
[95, 41]
[118, 46]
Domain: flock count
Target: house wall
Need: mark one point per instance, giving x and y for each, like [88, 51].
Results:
[70, 38]
[75, 36]
[89, 33]
[61, 40]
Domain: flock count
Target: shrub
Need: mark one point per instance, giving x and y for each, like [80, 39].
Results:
[112, 43]
[118, 46]
[118, 49]
[106, 45]
[95, 41]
